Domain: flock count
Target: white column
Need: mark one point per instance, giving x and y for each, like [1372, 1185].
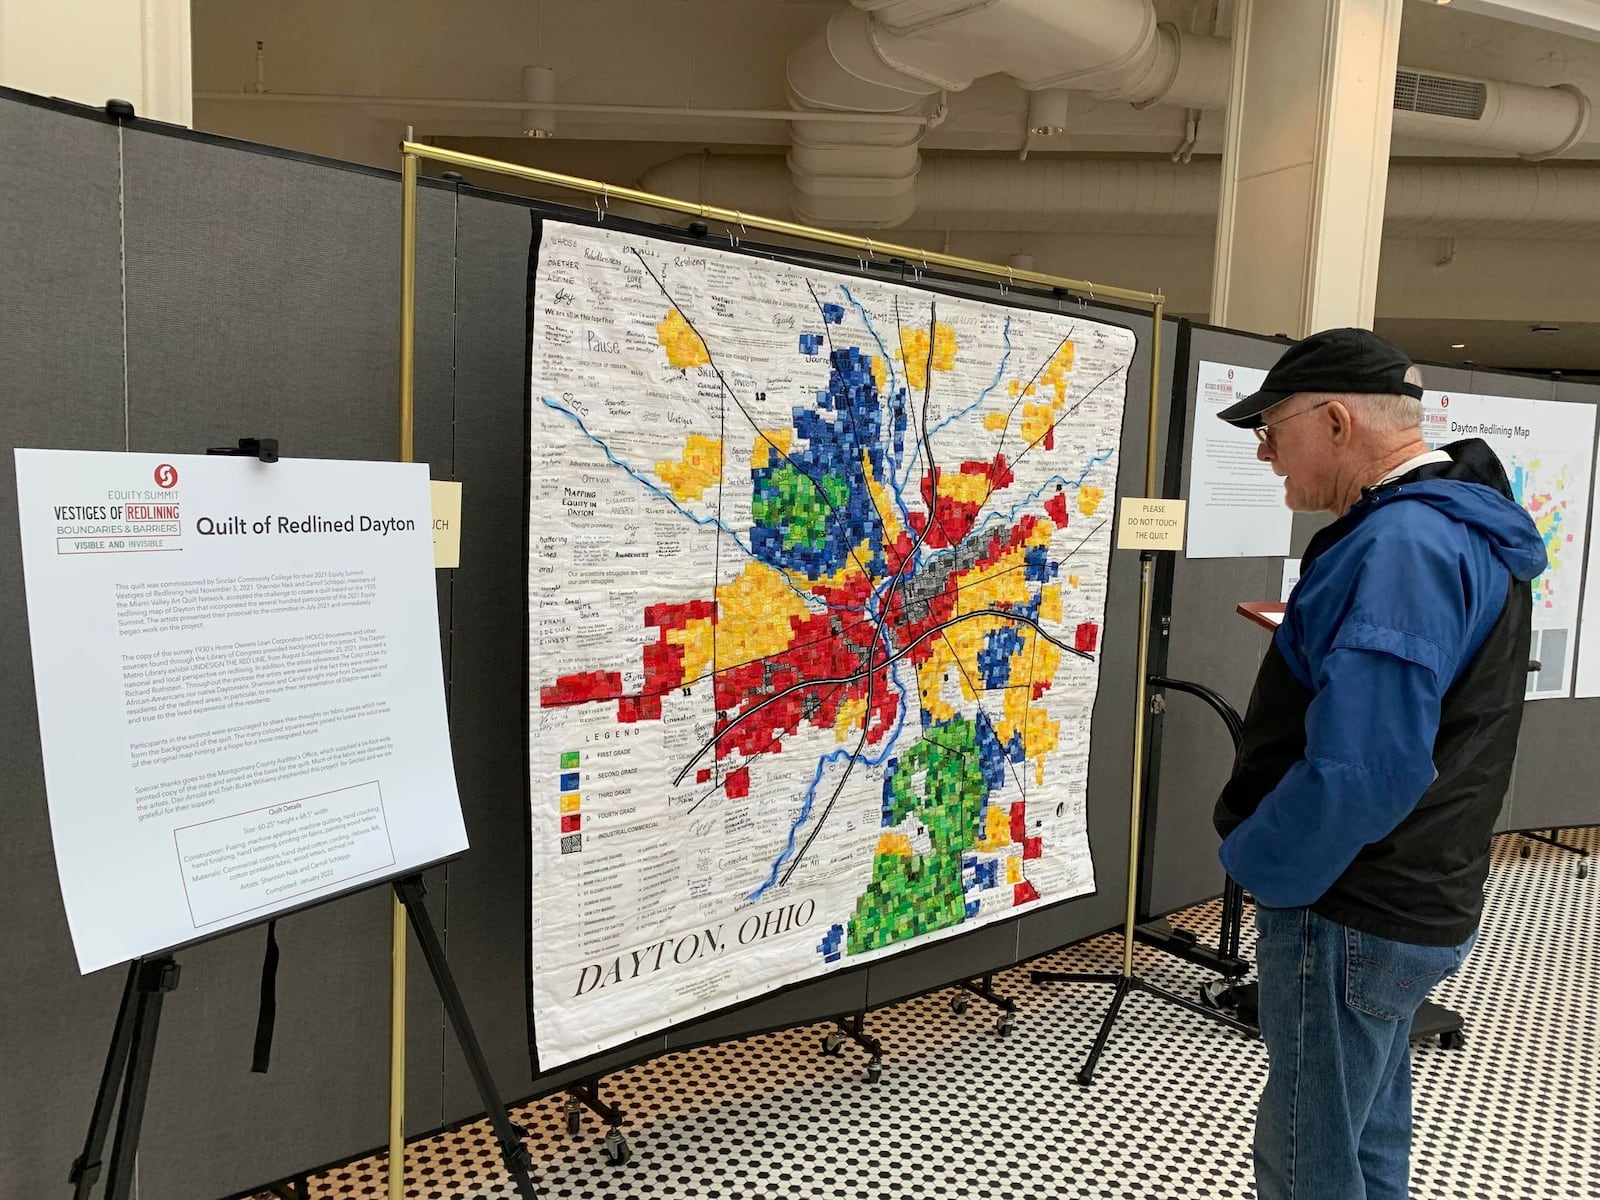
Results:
[1305, 164]
[92, 51]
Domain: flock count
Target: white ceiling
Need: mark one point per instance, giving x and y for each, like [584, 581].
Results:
[731, 54]
[717, 54]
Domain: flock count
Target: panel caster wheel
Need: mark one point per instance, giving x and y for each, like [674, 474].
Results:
[958, 1004]
[1524, 850]
[874, 1070]
[1583, 870]
[1005, 1025]
[1452, 1039]
[833, 1044]
[574, 1116]
[617, 1151]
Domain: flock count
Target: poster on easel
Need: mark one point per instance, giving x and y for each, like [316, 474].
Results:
[239, 689]
[816, 595]
[1547, 449]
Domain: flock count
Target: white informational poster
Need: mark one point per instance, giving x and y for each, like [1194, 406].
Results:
[1547, 449]
[241, 705]
[817, 581]
[1291, 576]
[1236, 507]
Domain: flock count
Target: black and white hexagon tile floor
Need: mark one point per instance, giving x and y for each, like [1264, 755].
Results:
[962, 1112]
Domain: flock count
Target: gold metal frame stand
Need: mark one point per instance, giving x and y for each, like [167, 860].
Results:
[1126, 980]
[408, 908]
[413, 153]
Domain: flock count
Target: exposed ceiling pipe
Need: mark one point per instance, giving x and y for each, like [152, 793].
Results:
[662, 111]
[886, 55]
[1160, 197]
[863, 174]
[1534, 122]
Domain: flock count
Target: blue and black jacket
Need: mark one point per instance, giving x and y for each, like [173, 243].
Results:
[1379, 739]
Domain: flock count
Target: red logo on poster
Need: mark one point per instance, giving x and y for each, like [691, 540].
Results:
[166, 476]
[1444, 401]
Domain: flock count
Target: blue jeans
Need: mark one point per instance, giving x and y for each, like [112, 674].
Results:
[1336, 1006]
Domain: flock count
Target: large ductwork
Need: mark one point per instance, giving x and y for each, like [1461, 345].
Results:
[890, 56]
[1534, 122]
[852, 174]
[1161, 197]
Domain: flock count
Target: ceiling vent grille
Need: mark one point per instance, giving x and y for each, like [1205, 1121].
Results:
[1439, 95]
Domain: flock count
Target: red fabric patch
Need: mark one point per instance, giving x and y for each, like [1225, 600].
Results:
[581, 688]
[632, 709]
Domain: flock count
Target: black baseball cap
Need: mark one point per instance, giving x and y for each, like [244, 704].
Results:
[1335, 360]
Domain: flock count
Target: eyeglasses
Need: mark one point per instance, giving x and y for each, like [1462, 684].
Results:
[1264, 432]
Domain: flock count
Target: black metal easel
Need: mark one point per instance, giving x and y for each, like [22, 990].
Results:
[512, 1149]
[133, 1047]
[125, 1082]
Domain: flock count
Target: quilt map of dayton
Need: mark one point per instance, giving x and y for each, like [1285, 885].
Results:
[816, 588]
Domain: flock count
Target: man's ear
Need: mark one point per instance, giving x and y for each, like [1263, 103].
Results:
[1341, 422]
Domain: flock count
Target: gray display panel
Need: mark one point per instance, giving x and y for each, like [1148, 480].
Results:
[61, 385]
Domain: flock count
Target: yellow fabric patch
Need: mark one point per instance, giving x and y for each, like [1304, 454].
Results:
[696, 638]
[851, 714]
[761, 453]
[754, 611]
[996, 829]
[896, 845]
[699, 469]
[914, 353]
[684, 348]
[964, 488]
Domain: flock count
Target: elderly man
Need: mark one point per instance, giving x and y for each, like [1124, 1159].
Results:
[1377, 750]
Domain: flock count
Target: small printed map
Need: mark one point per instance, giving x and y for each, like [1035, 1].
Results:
[1546, 448]
[817, 573]
[1544, 493]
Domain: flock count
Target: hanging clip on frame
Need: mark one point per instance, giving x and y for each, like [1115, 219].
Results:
[265, 449]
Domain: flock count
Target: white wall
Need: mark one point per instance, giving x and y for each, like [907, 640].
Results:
[92, 51]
